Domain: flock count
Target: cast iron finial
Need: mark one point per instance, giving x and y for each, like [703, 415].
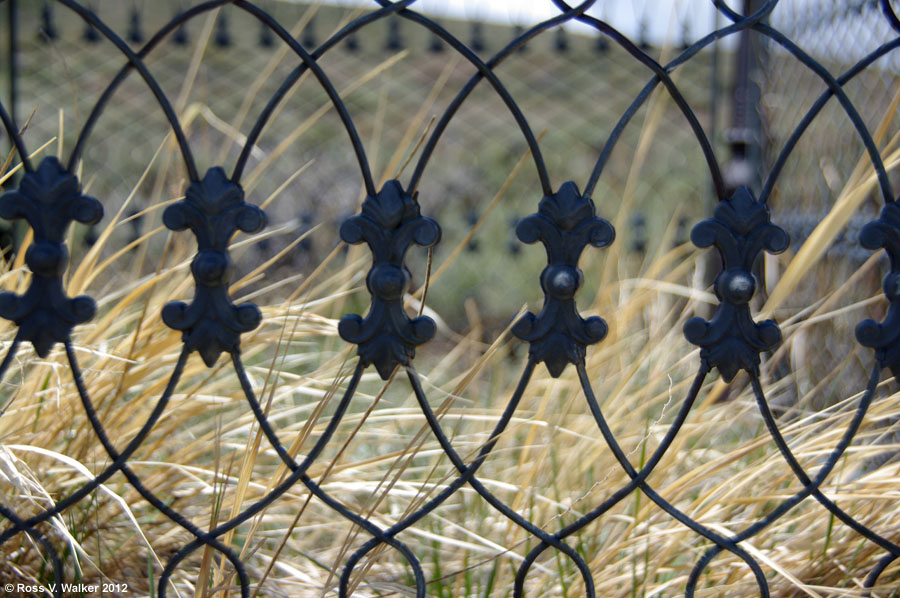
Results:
[214, 209]
[884, 337]
[49, 199]
[566, 223]
[740, 230]
[390, 223]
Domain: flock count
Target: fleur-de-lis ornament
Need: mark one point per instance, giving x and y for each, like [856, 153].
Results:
[566, 223]
[49, 199]
[884, 336]
[214, 209]
[740, 229]
[390, 222]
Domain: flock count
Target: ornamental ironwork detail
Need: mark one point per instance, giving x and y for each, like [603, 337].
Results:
[884, 336]
[213, 209]
[390, 222]
[565, 223]
[49, 199]
[740, 229]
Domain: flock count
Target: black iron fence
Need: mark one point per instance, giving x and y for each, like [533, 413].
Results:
[214, 207]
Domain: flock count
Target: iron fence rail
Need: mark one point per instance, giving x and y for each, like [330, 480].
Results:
[49, 198]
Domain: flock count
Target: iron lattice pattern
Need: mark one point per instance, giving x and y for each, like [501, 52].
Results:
[50, 197]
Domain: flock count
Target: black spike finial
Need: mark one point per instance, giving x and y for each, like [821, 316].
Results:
[48, 26]
[394, 40]
[223, 35]
[135, 30]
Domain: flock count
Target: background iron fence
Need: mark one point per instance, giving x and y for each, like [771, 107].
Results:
[388, 129]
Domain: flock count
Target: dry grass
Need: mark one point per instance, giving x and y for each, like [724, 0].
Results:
[207, 458]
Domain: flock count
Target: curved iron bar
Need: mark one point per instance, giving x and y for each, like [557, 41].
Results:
[186, 550]
[879, 568]
[676, 513]
[492, 500]
[10, 354]
[663, 76]
[37, 536]
[372, 529]
[761, 13]
[270, 434]
[386, 536]
[308, 62]
[837, 89]
[814, 485]
[467, 473]
[801, 128]
[123, 73]
[295, 75]
[740, 24]
[13, 133]
[359, 554]
[298, 472]
[624, 491]
[890, 14]
[118, 462]
[632, 109]
[485, 70]
[811, 487]
[465, 476]
[91, 19]
[323, 80]
[135, 481]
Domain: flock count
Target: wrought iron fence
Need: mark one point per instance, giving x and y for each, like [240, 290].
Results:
[49, 198]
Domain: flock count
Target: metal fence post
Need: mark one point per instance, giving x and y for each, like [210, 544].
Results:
[744, 136]
[12, 22]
